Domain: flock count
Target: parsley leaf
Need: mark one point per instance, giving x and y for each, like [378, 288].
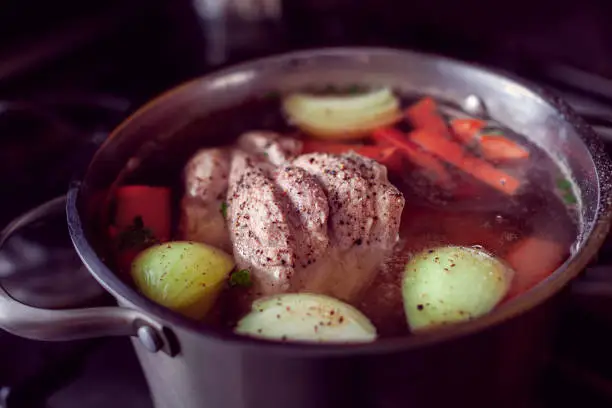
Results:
[564, 184]
[271, 95]
[565, 187]
[241, 278]
[492, 131]
[569, 198]
[136, 236]
[223, 209]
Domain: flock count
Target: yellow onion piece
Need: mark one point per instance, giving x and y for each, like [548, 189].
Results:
[306, 317]
[342, 117]
[183, 276]
[452, 284]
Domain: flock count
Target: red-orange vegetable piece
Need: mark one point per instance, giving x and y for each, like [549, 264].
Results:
[492, 147]
[422, 159]
[533, 259]
[386, 156]
[467, 130]
[453, 153]
[152, 204]
[316, 146]
[497, 148]
[424, 115]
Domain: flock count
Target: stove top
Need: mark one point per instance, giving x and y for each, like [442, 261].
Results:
[57, 126]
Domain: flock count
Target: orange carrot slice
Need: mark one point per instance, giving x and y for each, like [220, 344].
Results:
[152, 204]
[533, 259]
[316, 146]
[492, 147]
[391, 158]
[467, 130]
[424, 115]
[497, 147]
[453, 153]
[422, 159]
[386, 156]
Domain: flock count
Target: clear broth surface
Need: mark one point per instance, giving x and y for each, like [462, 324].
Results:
[484, 217]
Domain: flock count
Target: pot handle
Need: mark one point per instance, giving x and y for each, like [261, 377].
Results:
[73, 324]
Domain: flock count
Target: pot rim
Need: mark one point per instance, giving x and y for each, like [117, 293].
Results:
[543, 291]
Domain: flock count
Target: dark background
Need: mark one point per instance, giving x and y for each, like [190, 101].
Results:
[139, 47]
[58, 54]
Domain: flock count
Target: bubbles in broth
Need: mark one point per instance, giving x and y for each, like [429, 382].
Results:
[466, 182]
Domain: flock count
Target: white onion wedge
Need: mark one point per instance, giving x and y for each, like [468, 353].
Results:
[184, 276]
[308, 102]
[452, 284]
[306, 317]
[342, 117]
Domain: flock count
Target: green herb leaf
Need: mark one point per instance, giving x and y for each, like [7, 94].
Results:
[138, 222]
[329, 88]
[355, 89]
[136, 236]
[271, 95]
[569, 198]
[567, 194]
[564, 184]
[491, 131]
[223, 209]
[241, 278]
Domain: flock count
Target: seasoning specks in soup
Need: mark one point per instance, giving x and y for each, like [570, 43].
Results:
[341, 215]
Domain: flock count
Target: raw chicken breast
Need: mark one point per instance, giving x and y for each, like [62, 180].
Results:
[365, 213]
[285, 215]
[209, 173]
[278, 226]
[318, 222]
[206, 180]
[274, 148]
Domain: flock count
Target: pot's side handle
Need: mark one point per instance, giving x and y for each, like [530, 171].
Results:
[73, 324]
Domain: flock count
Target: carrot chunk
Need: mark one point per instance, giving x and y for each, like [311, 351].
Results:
[453, 153]
[467, 130]
[497, 148]
[493, 147]
[420, 158]
[424, 115]
[385, 155]
[151, 204]
[316, 146]
[533, 259]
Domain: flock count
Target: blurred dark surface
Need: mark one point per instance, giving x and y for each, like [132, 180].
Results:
[71, 70]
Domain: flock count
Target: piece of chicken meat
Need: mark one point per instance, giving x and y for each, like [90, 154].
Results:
[365, 214]
[206, 181]
[208, 174]
[269, 146]
[322, 223]
[278, 225]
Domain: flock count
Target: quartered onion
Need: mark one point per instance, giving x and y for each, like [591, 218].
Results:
[306, 317]
[342, 117]
[184, 276]
[452, 284]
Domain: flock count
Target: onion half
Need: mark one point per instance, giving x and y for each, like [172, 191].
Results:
[342, 117]
[306, 317]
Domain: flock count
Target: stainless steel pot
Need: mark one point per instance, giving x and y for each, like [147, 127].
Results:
[488, 362]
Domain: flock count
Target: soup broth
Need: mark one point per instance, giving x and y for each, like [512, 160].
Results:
[530, 230]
